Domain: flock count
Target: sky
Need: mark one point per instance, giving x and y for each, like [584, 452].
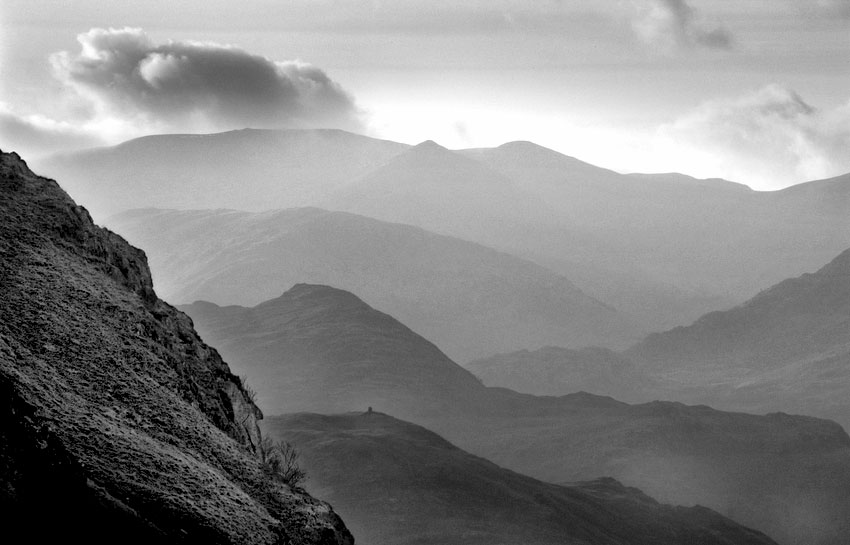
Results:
[755, 91]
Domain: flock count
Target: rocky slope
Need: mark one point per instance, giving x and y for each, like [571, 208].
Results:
[398, 483]
[118, 422]
[469, 299]
[320, 349]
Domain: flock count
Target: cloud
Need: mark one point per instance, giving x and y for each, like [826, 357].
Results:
[673, 25]
[199, 86]
[831, 8]
[35, 135]
[770, 138]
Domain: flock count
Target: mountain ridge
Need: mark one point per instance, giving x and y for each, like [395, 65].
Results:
[468, 298]
[677, 453]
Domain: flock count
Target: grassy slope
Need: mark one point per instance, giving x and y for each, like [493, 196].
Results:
[399, 483]
[116, 416]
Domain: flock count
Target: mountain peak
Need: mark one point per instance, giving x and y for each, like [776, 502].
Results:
[314, 292]
[429, 145]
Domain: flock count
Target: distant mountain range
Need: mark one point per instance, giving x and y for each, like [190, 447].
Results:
[787, 349]
[471, 300]
[250, 169]
[117, 423]
[554, 371]
[662, 248]
[320, 349]
[398, 483]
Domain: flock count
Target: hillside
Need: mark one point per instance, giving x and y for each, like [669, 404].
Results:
[250, 169]
[710, 238]
[787, 349]
[118, 422]
[805, 316]
[320, 349]
[440, 190]
[402, 484]
[554, 370]
[661, 248]
[470, 300]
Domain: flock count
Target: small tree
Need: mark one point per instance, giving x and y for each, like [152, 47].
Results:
[280, 460]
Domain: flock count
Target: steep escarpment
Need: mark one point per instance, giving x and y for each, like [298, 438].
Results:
[118, 423]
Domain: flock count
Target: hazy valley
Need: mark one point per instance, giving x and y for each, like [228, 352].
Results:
[333, 272]
[543, 275]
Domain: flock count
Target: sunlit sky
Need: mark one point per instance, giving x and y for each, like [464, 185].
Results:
[757, 91]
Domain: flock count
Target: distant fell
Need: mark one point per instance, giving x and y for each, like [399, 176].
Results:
[251, 169]
[471, 300]
[318, 349]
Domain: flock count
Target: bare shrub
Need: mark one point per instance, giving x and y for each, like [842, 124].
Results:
[249, 392]
[280, 460]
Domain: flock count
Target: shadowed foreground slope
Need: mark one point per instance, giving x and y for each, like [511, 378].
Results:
[320, 349]
[117, 423]
[398, 483]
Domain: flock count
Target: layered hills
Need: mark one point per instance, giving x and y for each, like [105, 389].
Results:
[469, 299]
[320, 349]
[663, 248]
[554, 370]
[787, 349]
[251, 169]
[119, 424]
[398, 483]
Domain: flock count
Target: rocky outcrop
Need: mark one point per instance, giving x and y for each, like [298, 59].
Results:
[119, 424]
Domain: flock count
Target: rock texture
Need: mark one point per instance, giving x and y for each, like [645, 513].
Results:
[117, 423]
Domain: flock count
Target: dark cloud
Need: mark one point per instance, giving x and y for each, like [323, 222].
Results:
[200, 86]
[673, 24]
[771, 136]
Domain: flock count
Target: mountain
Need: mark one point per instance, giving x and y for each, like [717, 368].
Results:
[709, 238]
[403, 484]
[554, 370]
[661, 248]
[437, 189]
[788, 348]
[320, 349]
[117, 422]
[318, 339]
[251, 169]
[471, 300]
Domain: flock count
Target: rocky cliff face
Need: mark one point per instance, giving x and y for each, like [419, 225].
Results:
[117, 422]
